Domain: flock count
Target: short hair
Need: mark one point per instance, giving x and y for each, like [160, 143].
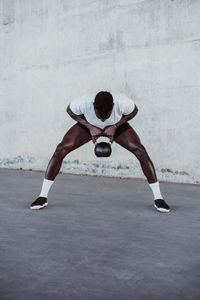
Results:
[103, 103]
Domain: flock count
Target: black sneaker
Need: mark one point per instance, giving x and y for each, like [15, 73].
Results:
[39, 203]
[161, 205]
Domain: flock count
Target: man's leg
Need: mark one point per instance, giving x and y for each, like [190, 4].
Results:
[129, 139]
[77, 136]
[73, 139]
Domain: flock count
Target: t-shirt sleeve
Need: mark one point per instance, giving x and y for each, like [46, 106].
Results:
[77, 106]
[126, 105]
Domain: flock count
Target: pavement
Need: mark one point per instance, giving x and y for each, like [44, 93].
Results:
[98, 239]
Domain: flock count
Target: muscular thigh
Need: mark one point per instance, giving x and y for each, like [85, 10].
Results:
[128, 139]
[76, 136]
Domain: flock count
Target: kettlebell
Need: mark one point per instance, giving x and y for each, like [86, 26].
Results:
[102, 149]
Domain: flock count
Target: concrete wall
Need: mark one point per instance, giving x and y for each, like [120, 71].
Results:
[55, 50]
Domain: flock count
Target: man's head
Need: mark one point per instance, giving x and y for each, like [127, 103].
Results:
[103, 105]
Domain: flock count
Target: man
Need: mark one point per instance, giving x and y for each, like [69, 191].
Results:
[104, 114]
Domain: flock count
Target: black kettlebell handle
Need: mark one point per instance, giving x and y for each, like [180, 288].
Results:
[95, 141]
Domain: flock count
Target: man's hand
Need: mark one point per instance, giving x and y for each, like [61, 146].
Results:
[109, 131]
[95, 131]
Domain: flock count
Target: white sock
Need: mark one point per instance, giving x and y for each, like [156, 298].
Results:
[156, 190]
[46, 187]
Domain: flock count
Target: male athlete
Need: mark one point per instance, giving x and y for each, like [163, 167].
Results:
[104, 114]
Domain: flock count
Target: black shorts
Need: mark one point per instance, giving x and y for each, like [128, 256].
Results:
[119, 130]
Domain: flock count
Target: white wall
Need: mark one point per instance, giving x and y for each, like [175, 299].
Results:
[55, 50]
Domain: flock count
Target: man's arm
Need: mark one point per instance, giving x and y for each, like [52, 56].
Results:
[94, 131]
[78, 118]
[126, 118]
[110, 130]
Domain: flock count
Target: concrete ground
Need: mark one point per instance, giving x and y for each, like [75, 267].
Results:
[99, 238]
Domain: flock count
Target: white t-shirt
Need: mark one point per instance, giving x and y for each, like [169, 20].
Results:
[84, 105]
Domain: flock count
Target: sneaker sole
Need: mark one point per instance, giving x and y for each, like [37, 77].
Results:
[160, 209]
[38, 206]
